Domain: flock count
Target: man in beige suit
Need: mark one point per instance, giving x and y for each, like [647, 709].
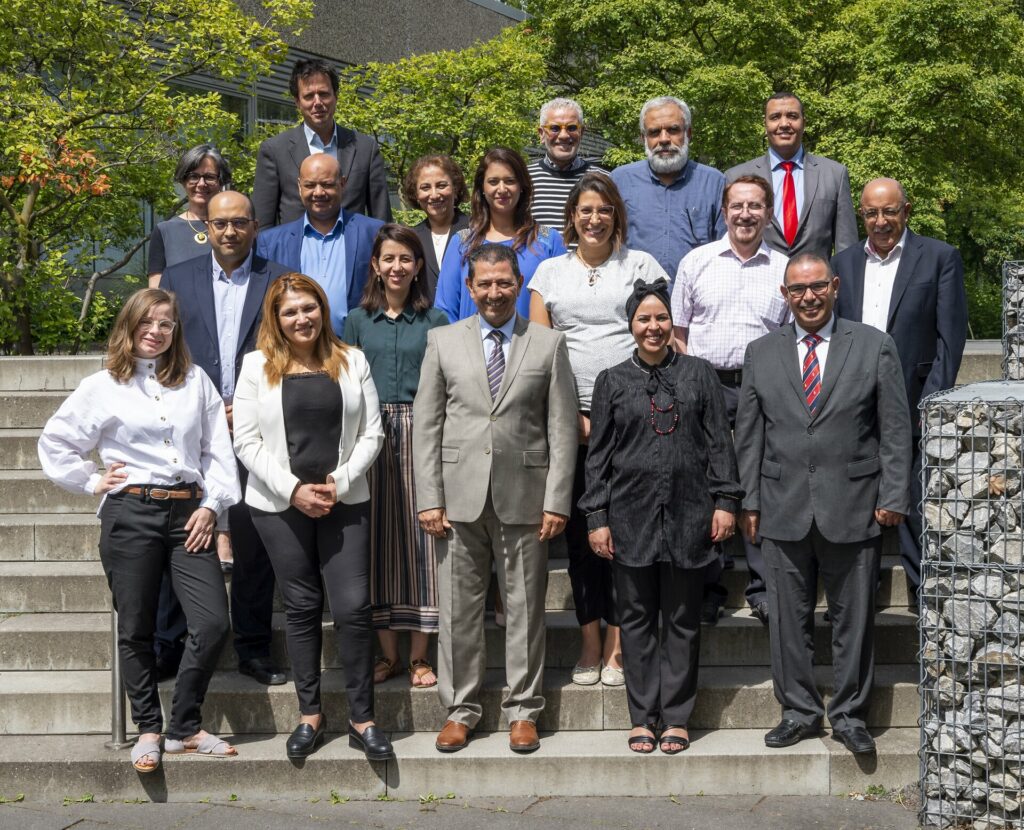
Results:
[494, 447]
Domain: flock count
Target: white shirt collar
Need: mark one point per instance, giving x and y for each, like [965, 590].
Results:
[897, 249]
[240, 273]
[825, 332]
[507, 329]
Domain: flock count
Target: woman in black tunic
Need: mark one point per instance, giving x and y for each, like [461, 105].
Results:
[662, 491]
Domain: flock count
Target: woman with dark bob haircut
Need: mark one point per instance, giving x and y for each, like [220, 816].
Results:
[307, 427]
[502, 192]
[158, 424]
[583, 294]
[436, 185]
[391, 328]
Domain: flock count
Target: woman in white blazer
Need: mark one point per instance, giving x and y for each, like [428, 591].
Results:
[307, 427]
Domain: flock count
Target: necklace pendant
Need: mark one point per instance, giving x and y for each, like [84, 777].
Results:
[200, 237]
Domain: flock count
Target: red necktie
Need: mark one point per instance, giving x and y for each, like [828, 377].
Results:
[789, 217]
[811, 372]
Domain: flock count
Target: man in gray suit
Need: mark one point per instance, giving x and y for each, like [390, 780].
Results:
[823, 442]
[494, 449]
[314, 86]
[813, 208]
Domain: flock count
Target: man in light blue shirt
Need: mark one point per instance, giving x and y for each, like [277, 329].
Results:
[327, 243]
[672, 201]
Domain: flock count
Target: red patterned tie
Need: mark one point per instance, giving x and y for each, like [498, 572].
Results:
[789, 217]
[811, 372]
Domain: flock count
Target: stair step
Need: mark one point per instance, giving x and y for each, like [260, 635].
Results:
[78, 702]
[28, 410]
[57, 373]
[723, 762]
[18, 449]
[49, 537]
[29, 491]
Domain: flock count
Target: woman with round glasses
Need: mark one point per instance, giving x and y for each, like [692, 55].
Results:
[201, 174]
[158, 425]
[500, 215]
[583, 294]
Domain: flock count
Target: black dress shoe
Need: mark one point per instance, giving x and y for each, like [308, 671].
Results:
[262, 671]
[711, 606]
[305, 739]
[373, 742]
[761, 611]
[790, 732]
[857, 739]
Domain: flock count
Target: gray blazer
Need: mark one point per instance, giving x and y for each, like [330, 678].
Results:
[275, 192]
[834, 467]
[827, 222]
[521, 447]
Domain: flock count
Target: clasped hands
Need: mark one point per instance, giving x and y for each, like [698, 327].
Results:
[315, 500]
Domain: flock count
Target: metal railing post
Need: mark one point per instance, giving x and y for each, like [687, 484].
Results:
[118, 736]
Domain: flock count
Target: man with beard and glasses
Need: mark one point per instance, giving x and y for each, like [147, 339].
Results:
[726, 295]
[672, 201]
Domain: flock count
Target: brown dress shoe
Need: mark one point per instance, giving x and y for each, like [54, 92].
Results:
[522, 736]
[453, 737]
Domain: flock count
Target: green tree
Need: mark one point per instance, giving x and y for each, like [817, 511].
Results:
[456, 102]
[92, 120]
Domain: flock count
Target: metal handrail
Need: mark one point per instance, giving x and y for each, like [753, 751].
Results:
[118, 736]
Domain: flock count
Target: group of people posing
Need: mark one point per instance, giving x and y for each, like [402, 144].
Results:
[650, 361]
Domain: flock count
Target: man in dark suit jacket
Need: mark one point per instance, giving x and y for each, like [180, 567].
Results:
[314, 85]
[913, 288]
[310, 244]
[818, 214]
[219, 335]
[823, 444]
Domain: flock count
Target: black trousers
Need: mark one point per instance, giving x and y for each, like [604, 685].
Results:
[308, 554]
[756, 591]
[252, 593]
[140, 539]
[593, 589]
[660, 665]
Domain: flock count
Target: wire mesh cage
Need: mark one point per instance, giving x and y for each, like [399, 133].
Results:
[972, 593]
[1013, 320]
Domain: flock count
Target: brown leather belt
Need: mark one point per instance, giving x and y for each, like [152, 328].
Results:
[163, 493]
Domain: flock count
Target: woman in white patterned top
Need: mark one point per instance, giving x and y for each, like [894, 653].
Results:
[583, 294]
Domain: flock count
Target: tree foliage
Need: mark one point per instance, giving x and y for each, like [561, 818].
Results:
[91, 124]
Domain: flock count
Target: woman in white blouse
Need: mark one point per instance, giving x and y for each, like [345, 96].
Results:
[158, 424]
[307, 426]
[583, 294]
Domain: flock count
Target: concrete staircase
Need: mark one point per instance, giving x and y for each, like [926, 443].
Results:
[55, 656]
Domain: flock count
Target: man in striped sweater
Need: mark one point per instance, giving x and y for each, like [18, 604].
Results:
[555, 175]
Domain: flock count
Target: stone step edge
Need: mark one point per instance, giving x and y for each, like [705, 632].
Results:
[720, 762]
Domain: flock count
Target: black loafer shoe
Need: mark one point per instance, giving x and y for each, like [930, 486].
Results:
[305, 739]
[761, 611]
[789, 732]
[711, 606]
[262, 671]
[373, 742]
[857, 739]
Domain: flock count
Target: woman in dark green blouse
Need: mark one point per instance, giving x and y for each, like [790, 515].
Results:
[391, 326]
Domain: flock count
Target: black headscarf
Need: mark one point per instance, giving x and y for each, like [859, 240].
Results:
[641, 290]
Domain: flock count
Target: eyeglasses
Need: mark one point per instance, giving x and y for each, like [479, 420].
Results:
[555, 129]
[753, 207]
[162, 326]
[603, 212]
[206, 178]
[817, 288]
[222, 224]
[888, 213]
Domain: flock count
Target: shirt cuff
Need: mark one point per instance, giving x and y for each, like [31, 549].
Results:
[213, 504]
[726, 503]
[92, 483]
[597, 520]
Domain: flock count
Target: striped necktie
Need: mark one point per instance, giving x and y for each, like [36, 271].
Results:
[495, 363]
[811, 372]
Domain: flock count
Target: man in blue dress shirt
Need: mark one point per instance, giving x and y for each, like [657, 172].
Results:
[672, 201]
[328, 244]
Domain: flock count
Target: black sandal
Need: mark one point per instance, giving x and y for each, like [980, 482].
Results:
[637, 743]
[684, 743]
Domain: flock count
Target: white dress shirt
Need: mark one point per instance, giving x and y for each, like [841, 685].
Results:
[727, 302]
[228, 300]
[316, 144]
[879, 278]
[821, 350]
[164, 436]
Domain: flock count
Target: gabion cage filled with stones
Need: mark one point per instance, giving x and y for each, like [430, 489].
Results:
[972, 592]
[1013, 320]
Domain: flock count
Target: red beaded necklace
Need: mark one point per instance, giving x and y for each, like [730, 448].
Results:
[656, 409]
